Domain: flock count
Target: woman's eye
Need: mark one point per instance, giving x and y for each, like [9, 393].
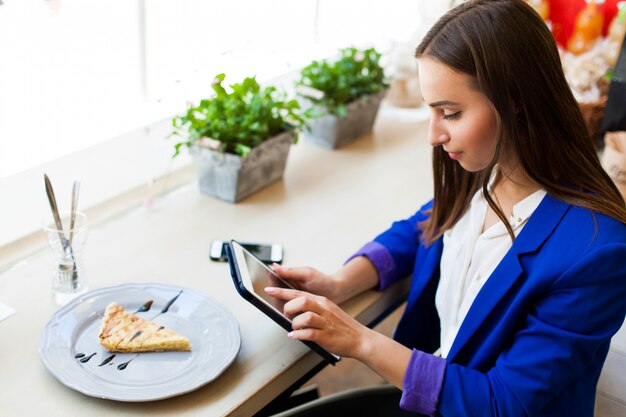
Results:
[452, 116]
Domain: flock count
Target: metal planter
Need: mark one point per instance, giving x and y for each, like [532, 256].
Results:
[333, 132]
[232, 178]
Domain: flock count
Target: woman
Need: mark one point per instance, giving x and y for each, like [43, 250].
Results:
[519, 262]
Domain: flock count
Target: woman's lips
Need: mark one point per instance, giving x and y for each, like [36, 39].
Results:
[454, 155]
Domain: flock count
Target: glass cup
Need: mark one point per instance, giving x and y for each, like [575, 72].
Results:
[68, 274]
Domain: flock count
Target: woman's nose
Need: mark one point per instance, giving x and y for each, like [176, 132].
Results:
[437, 136]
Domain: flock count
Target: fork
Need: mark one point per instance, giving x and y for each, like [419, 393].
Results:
[75, 190]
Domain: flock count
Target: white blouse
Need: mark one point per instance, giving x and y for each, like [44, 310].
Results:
[469, 257]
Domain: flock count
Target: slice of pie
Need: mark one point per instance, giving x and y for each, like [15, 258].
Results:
[124, 332]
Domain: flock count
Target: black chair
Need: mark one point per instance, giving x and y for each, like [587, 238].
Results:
[614, 118]
[376, 401]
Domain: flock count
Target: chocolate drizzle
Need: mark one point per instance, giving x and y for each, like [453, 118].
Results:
[123, 366]
[170, 302]
[107, 360]
[168, 305]
[145, 307]
[86, 358]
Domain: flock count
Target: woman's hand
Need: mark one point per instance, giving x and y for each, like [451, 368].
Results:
[317, 319]
[353, 278]
[310, 280]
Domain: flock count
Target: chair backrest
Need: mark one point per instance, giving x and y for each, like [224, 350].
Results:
[375, 401]
[611, 392]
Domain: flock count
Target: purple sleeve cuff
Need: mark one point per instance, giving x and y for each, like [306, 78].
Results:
[382, 260]
[422, 383]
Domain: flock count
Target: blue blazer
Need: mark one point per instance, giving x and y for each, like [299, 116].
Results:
[535, 338]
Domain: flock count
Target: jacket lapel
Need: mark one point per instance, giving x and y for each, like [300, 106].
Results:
[419, 325]
[429, 259]
[539, 227]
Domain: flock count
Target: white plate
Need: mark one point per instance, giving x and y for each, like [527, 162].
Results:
[211, 328]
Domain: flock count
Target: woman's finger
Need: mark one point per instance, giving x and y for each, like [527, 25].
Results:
[284, 293]
[312, 335]
[294, 273]
[297, 301]
[307, 320]
[299, 305]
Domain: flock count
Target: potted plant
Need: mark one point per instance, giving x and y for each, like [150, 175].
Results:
[239, 139]
[346, 95]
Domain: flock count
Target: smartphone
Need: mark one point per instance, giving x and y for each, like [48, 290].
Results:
[266, 252]
[250, 277]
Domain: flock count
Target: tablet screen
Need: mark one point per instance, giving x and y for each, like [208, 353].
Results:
[259, 277]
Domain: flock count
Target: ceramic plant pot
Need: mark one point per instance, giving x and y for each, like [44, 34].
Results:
[330, 131]
[231, 177]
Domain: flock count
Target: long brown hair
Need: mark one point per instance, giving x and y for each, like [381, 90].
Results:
[512, 58]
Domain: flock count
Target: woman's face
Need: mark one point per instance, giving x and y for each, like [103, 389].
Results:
[463, 120]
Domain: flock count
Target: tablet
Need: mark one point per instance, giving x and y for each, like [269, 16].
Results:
[251, 276]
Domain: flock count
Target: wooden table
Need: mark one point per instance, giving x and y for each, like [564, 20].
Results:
[328, 204]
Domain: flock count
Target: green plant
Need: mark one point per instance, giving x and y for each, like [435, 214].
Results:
[241, 119]
[357, 73]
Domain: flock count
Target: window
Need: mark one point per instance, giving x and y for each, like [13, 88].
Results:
[87, 88]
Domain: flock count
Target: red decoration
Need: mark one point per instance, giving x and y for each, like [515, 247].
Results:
[563, 15]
